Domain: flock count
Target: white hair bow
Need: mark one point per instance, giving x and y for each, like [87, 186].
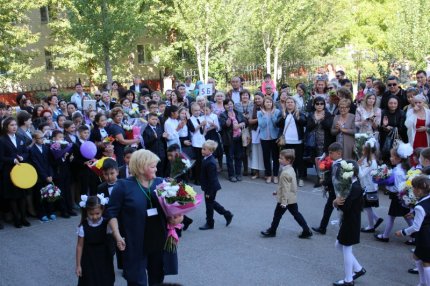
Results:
[103, 201]
[371, 142]
[404, 150]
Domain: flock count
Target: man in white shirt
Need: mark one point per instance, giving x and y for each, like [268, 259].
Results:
[189, 85]
[78, 96]
[234, 93]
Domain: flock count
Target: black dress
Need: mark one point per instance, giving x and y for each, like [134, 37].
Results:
[118, 148]
[349, 232]
[97, 256]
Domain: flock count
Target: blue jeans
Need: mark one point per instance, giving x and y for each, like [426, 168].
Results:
[234, 153]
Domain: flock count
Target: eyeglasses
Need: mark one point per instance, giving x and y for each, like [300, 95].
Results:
[319, 103]
[392, 84]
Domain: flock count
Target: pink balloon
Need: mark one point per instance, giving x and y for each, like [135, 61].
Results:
[88, 150]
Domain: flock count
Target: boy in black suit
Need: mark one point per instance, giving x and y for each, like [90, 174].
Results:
[39, 155]
[154, 138]
[123, 170]
[110, 176]
[210, 185]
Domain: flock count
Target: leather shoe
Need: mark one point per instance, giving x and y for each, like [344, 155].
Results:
[306, 234]
[228, 219]
[268, 233]
[359, 273]
[367, 230]
[206, 227]
[25, 222]
[319, 230]
[413, 271]
[410, 242]
[187, 223]
[17, 224]
[378, 223]
[343, 283]
[379, 237]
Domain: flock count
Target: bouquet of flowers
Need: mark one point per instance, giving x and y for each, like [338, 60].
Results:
[325, 166]
[59, 148]
[360, 140]
[50, 193]
[108, 140]
[180, 165]
[406, 195]
[382, 176]
[128, 131]
[342, 183]
[176, 199]
[133, 112]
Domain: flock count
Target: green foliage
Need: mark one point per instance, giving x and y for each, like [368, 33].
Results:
[16, 38]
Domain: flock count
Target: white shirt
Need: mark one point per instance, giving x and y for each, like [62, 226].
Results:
[399, 177]
[418, 218]
[103, 133]
[365, 177]
[13, 139]
[77, 99]
[40, 148]
[170, 126]
[290, 131]
[80, 231]
[197, 137]
[235, 96]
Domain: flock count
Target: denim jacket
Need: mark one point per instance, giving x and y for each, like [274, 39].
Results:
[268, 128]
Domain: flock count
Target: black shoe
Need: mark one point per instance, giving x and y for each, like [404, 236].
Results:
[239, 178]
[306, 234]
[367, 230]
[25, 222]
[268, 233]
[72, 213]
[206, 227]
[378, 223]
[319, 230]
[17, 224]
[187, 223]
[343, 283]
[410, 242]
[65, 215]
[317, 185]
[359, 273]
[233, 179]
[379, 237]
[1, 226]
[413, 271]
[228, 219]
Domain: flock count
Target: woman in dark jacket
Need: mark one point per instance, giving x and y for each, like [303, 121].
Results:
[318, 126]
[292, 127]
[349, 232]
[232, 122]
[391, 118]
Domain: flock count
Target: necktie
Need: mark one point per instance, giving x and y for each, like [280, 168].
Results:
[201, 128]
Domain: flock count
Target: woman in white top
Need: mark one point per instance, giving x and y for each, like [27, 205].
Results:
[368, 116]
[367, 164]
[299, 96]
[218, 106]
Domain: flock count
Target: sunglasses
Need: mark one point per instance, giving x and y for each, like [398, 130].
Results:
[319, 103]
[392, 84]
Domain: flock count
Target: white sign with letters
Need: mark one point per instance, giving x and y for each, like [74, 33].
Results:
[205, 89]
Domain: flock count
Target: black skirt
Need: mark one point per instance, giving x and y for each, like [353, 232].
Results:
[423, 253]
[396, 208]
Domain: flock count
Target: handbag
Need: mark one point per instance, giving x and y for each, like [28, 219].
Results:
[391, 140]
[281, 140]
[310, 140]
[246, 137]
[371, 199]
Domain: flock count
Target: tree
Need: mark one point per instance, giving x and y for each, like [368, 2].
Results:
[97, 33]
[16, 37]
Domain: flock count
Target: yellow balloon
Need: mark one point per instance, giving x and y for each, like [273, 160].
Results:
[23, 176]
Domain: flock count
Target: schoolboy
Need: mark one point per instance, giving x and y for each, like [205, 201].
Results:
[210, 186]
[123, 170]
[154, 139]
[110, 176]
[287, 196]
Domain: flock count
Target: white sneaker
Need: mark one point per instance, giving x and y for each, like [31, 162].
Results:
[301, 183]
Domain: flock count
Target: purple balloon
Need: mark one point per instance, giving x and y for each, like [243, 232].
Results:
[88, 150]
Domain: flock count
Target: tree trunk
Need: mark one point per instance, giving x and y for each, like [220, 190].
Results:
[199, 60]
[268, 55]
[106, 46]
[275, 64]
[206, 60]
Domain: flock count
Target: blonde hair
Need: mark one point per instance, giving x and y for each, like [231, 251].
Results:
[211, 145]
[288, 154]
[220, 93]
[140, 160]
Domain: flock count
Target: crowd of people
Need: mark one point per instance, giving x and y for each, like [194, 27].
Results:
[273, 133]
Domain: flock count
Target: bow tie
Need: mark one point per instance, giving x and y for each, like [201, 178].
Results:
[111, 185]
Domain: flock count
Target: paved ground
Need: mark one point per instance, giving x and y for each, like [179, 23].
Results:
[44, 253]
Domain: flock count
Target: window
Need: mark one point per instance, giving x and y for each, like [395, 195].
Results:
[44, 15]
[48, 61]
[144, 54]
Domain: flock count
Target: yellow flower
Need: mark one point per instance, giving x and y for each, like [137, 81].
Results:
[408, 184]
[99, 163]
[190, 191]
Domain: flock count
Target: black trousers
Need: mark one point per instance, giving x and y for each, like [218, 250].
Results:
[198, 164]
[154, 270]
[212, 205]
[298, 164]
[328, 208]
[294, 211]
[270, 153]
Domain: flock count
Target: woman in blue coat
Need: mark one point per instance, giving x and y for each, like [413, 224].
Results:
[134, 205]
